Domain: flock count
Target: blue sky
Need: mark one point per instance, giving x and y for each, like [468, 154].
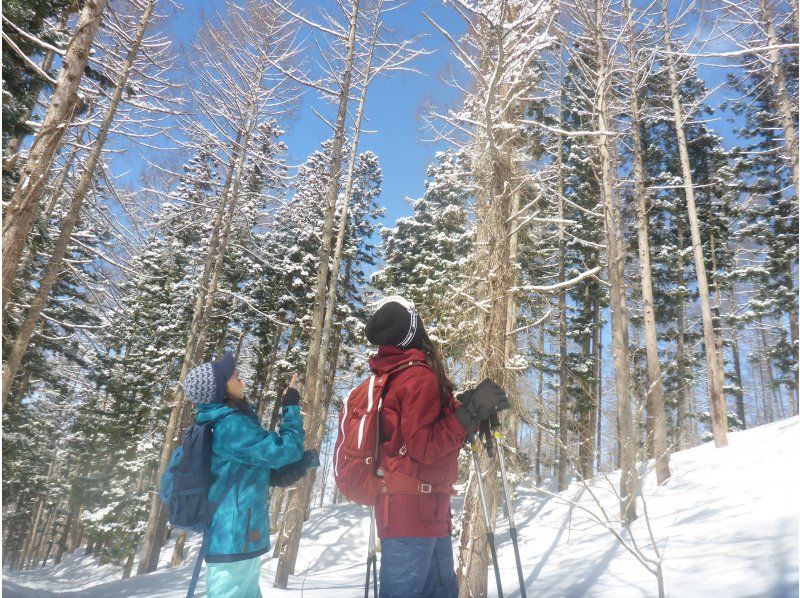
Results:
[393, 103]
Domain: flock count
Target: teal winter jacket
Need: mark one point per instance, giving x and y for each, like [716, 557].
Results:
[242, 455]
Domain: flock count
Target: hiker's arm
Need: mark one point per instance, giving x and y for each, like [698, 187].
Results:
[426, 438]
[251, 444]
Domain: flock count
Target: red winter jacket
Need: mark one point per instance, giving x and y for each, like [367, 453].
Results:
[412, 416]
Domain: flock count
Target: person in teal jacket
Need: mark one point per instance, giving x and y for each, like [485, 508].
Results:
[243, 453]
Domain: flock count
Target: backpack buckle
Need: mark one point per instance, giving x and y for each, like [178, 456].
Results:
[403, 450]
[369, 460]
[425, 488]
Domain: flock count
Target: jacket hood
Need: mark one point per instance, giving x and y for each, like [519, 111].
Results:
[389, 358]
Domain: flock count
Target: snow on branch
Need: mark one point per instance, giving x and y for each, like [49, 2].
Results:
[559, 285]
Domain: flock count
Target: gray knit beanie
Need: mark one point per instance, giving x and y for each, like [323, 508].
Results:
[206, 382]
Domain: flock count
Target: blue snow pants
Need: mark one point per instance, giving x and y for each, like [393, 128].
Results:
[417, 568]
[233, 580]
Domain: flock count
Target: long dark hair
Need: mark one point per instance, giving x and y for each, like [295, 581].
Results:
[435, 359]
[238, 404]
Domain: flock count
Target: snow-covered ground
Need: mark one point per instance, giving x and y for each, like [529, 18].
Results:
[726, 523]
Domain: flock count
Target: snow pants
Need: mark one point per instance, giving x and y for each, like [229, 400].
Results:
[233, 580]
[417, 568]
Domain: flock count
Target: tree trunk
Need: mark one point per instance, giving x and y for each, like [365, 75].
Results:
[563, 373]
[28, 546]
[177, 552]
[72, 522]
[495, 173]
[737, 366]
[20, 214]
[618, 299]
[45, 539]
[276, 405]
[793, 331]
[759, 362]
[514, 412]
[12, 149]
[586, 420]
[128, 569]
[719, 423]
[598, 380]
[680, 351]
[268, 375]
[275, 511]
[149, 539]
[294, 511]
[53, 268]
[329, 386]
[655, 387]
[785, 104]
[540, 411]
[159, 538]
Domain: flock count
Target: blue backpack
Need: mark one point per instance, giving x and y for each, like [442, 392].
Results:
[188, 478]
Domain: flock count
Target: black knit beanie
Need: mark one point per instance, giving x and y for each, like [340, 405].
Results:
[395, 323]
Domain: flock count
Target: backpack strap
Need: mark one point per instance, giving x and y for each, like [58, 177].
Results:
[198, 564]
[405, 365]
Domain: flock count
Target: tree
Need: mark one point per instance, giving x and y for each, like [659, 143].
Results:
[715, 377]
[250, 43]
[655, 387]
[491, 129]
[68, 224]
[64, 104]
[424, 252]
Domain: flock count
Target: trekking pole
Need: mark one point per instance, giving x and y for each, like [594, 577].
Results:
[489, 532]
[495, 424]
[371, 559]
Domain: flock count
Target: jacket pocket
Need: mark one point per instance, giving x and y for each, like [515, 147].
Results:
[427, 507]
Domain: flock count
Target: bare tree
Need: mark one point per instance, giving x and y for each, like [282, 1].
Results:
[503, 41]
[655, 387]
[716, 397]
[594, 54]
[238, 85]
[53, 267]
[64, 104]
[360, 48]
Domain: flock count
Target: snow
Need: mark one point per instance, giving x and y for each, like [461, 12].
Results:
[726, 522]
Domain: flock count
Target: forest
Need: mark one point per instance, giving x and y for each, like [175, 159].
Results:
[608, 228]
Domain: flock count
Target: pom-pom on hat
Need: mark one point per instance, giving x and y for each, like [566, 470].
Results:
[207, 382]
[395, 323]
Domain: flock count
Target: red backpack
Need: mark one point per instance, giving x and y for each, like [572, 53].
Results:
[355, 456]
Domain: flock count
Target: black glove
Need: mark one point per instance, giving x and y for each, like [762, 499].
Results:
[484, 400]
[464, 418]
[289, 474]
[290, 397]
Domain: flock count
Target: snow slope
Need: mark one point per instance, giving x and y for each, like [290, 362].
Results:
[726, 523]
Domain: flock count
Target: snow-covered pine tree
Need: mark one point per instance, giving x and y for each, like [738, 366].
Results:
[581, 249]
[423, 254]
[771, 204]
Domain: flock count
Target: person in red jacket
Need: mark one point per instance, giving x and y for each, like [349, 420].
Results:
[422, 430]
